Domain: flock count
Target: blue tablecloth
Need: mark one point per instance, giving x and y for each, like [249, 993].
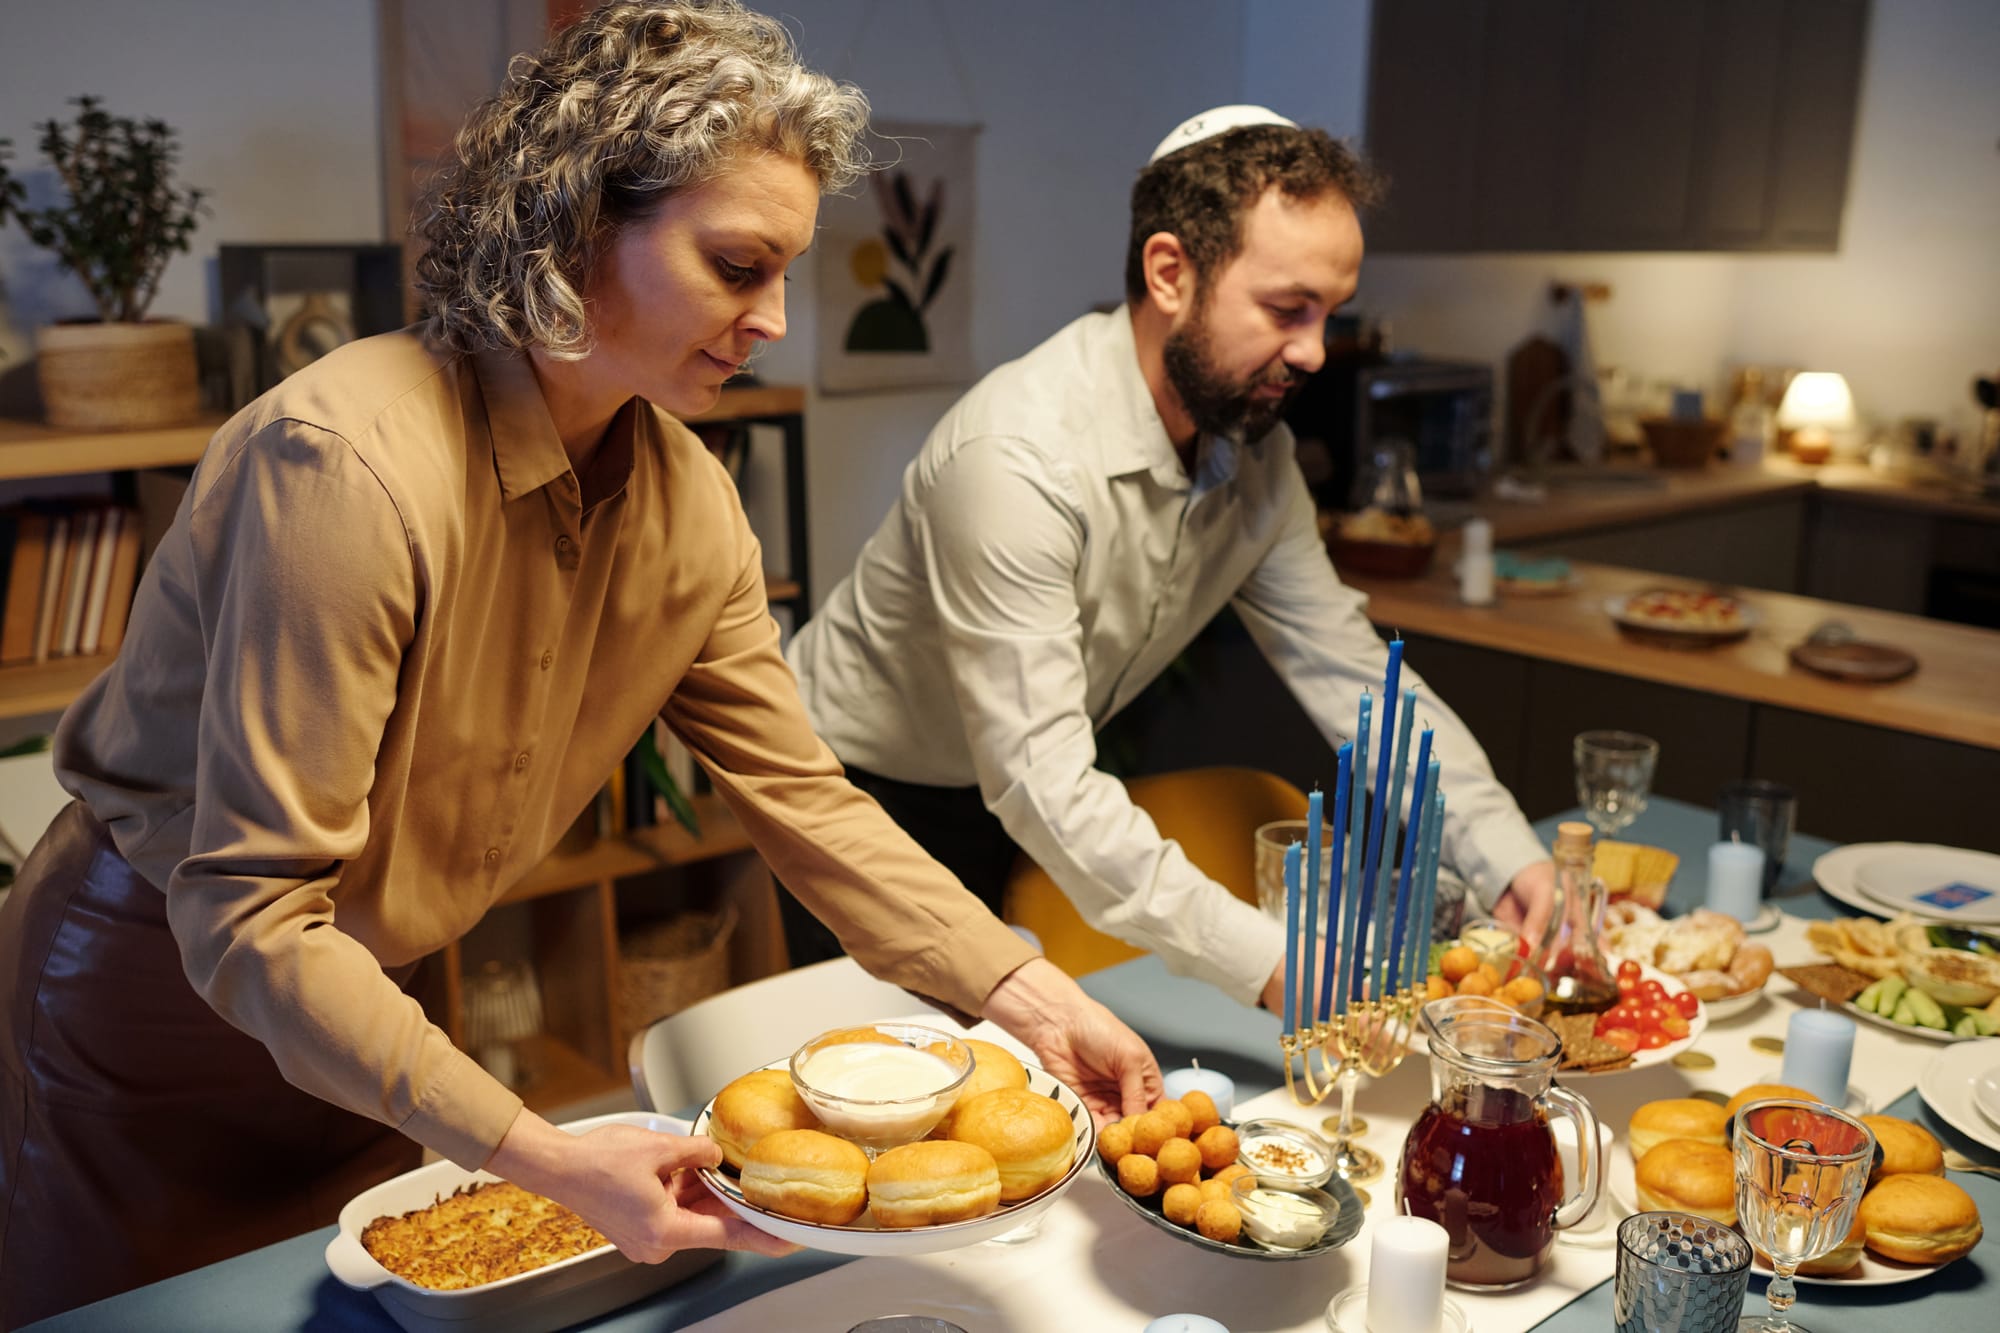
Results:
[286, 1286]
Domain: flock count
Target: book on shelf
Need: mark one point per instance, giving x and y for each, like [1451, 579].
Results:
[70, 569]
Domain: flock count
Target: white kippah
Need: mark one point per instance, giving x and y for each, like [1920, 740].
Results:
[1218, 120]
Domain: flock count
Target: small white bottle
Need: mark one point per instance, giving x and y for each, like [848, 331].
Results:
[1475, 564]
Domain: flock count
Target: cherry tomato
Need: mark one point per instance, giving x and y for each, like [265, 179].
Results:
[1652, 1016]
[1628, 973]
[1674, 1026]
[1653, 1041]
[1688, 1003]
[1625, 1039]
[1653, 991]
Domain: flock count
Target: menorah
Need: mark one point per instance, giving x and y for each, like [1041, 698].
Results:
[1373, 959]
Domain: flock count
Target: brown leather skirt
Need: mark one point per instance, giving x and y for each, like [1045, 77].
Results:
[140, 1134]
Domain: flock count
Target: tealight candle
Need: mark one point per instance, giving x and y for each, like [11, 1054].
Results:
[1406, 1276]
[1220, 1088]
[1819, 1049]
[1736, 879]
[1185, 1323]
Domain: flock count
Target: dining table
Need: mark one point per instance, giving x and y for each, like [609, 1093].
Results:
[1095, 1266]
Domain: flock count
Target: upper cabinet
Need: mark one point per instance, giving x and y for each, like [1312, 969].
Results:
[1636, 125]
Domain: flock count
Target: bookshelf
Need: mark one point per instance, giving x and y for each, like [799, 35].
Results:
[573, 896]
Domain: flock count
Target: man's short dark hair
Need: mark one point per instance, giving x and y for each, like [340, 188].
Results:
[1202, 192]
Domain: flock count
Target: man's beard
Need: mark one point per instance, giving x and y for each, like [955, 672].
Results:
[1217, 404]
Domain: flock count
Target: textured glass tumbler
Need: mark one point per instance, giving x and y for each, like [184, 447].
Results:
[1679, 1274]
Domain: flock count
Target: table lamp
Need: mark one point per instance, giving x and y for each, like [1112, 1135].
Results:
[1816, 404]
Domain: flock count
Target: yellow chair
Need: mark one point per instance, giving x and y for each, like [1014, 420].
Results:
[1213, 813]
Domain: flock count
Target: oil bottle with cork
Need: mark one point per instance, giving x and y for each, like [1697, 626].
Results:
[1581, 979]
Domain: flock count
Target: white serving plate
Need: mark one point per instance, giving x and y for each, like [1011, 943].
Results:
[1917, 1030]
[1837, 872]
[1616, 608]
[1733, 1006]
[557, 1296]
[1986, 1094]
[1659, 1056]
[1947, 1083]
[1943, 883]
[865, 1239]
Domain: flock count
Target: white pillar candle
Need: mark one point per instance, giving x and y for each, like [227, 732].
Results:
[1406, 1276]
[1819, 1048]
[1219, 1086]
[1735, 879]
[1185, 1323]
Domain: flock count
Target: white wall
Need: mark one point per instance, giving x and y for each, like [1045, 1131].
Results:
[1907, 310]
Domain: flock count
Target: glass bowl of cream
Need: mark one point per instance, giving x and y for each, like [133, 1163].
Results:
[1281, 1217]
[1284, 1155]
[881, 1085]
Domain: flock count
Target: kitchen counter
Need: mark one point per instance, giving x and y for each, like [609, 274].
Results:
[1952, 696]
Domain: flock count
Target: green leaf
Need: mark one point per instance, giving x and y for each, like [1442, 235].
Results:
[663, 782]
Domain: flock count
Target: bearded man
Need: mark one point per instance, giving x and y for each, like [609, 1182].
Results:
[1078, 517]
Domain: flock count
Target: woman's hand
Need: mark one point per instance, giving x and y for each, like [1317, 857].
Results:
[1077, 1039]
[1529, 901]
[634, 1185]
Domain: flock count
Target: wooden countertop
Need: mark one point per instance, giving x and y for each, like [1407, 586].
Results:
[1952, 696]
[1619, 495]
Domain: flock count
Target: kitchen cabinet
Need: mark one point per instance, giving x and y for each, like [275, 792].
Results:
[1644, 125]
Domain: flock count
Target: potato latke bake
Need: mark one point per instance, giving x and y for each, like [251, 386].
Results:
[482, 1233]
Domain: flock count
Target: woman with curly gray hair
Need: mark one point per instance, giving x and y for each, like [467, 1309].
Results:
[418, 602]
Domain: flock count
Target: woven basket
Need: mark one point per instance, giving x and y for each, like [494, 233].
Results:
[668, 965]
[117, 376]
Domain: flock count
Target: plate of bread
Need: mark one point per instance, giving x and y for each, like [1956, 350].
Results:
[837, 1150]
[1693, 615]
[1708, 952]
[1911, 1222]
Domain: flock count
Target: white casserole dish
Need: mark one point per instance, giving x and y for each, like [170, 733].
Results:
[561, 1294]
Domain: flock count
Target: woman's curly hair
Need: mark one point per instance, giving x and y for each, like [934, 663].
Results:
[634, 102]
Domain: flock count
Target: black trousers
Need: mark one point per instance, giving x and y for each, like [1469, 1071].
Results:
[951, 823]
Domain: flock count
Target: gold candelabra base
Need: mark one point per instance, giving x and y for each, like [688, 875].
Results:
[1371, 1037]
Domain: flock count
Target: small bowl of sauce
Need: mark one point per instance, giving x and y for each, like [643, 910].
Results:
[1283, 1155]
[881, 1085]
[1281, 1218]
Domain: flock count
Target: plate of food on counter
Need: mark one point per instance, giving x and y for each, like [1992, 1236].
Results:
[1259, 1189]
[1912, 1221]
[1937, 982]
[1708, 952]
[1694, 615]
[894, 1138]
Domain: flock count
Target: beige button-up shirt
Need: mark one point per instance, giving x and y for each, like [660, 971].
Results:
[388, 652]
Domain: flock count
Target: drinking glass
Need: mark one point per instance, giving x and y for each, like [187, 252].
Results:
[1761, 814]
[1801, 1168]
[1614, 772]
[1679, 1274]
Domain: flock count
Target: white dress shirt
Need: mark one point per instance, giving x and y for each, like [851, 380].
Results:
[1049, 557]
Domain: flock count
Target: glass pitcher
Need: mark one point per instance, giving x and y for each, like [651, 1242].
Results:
[1481, 1160]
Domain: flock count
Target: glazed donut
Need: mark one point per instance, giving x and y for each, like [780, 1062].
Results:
[807, 1174]
[761, 1102]
[923, 1184]
[1029, 1136]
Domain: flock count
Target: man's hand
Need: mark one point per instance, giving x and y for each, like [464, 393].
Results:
[1077, 1039]
[1528, 902]
[632, 1184]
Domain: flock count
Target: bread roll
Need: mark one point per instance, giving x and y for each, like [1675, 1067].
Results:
[1685, 1176]
[1918, 1219]
[1907, 1149]
[807, 1174]
[923, 1184]
[759, 1103]
[1760, 1092]
[1676, 1118]
[1029, 1136]
[992, 1067]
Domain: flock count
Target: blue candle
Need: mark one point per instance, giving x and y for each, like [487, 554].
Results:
[1329, 994]
[1433, 845]
[1309, 944]
[1357, 837]
[1386, 958]
[1291, 936]
[1405, 960]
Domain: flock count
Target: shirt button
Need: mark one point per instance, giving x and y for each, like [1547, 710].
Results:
[520, 761]
[563, 544]
[548, 660]
[493, 856]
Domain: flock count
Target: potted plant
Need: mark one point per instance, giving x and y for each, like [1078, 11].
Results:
[123, 218]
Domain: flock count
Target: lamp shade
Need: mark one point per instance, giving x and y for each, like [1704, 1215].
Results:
[1816, 398]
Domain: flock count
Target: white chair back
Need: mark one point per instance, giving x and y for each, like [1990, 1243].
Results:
[683, 1059]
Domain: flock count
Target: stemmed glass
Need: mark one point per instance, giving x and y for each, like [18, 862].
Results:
[1801, 1169]
[1614, 772]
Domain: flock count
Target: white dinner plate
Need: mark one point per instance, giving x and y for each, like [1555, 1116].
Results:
[1872, 1271]
[865, 1239]
[1945, 883]
[1947, 1084]
[1837, 870]
[1617, 609]
[1986, 1094]
[1733, 1006]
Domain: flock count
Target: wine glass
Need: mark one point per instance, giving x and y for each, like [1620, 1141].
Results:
[1801, 1168]
[1614, 772]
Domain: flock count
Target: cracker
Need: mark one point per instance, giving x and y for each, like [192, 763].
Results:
[1829, 981]
[1582, 1048]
